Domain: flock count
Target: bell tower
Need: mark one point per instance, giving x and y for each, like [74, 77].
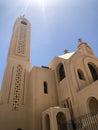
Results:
[15, 80]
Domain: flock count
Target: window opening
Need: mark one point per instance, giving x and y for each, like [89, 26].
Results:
[61, 72]
[67, 104]
[93, 104]
[61, 121]
[93, 72]
[81, 75]
[45, 87]
[23, 22]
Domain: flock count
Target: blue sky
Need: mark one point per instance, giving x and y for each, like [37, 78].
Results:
[56, 26]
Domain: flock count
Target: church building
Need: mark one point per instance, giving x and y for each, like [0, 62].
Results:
[61, 96]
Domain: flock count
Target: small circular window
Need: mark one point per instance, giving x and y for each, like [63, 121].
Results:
[23, 22]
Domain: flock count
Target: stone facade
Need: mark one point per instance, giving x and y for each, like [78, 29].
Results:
[46, 98]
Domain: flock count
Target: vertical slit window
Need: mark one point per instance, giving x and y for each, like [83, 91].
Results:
[45, 87]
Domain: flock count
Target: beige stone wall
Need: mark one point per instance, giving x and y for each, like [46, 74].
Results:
[84, 95]
[12, 119]
[39, 101]
[79, 85]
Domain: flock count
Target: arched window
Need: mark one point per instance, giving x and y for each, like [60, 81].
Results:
[19, 129]
[93, 71]
[45, 87]
[80, 74]
[61, 72]
[61, 121]
[93, 104]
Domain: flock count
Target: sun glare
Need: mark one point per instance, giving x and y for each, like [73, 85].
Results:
[41, 1]
[30, 3]
[42, 4]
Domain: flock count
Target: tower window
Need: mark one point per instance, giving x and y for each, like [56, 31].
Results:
[23, 22]
[45, 87]
[61, 72]
[93, 71]
[81, 75]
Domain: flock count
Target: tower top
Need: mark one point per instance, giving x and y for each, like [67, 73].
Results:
[20, 41]
[22, 17]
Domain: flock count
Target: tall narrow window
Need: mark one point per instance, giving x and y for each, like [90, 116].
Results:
[61, 72]
[93, 72]
[45, 87]
[80, 74]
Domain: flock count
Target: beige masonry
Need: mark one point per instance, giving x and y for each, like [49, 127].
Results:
[46, 98]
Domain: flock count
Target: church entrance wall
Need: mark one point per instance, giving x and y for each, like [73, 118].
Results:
[56, 118]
